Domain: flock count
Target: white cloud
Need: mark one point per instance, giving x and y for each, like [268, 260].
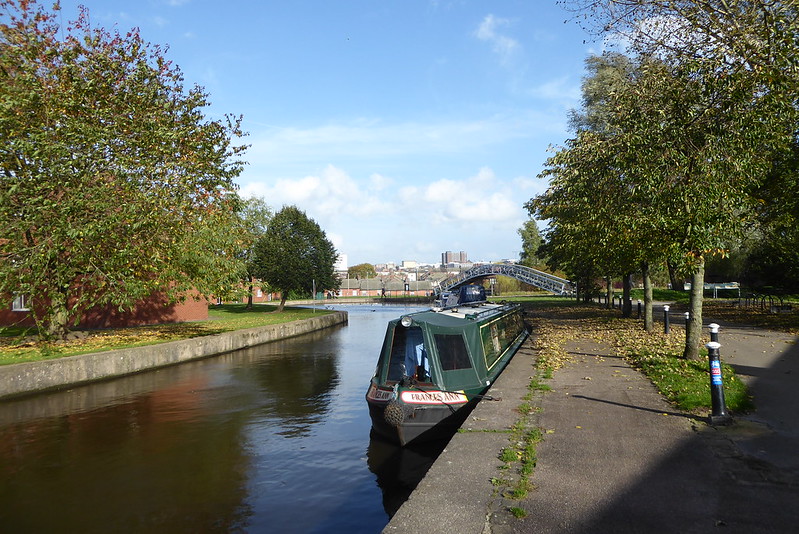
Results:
[531, 186]
[331, 194]
[337, 240]
[558, 89]
[474, 200]
[369, 216]
[378, 141]
[378, 182]
[380, 186]
[488, 30]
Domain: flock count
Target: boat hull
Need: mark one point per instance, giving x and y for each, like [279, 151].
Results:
[419, 422]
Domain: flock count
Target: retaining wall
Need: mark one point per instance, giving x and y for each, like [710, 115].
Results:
[33, 377]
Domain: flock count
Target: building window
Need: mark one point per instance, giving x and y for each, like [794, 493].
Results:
[20, 303]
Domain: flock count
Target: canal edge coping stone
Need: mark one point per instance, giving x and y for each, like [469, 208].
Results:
[34, 377]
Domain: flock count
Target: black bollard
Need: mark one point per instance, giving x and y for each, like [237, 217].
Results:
[718, 414]
[687, 320]
[666, 319]
[639, 308]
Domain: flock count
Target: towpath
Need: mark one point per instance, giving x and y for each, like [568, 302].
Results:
[617, 458]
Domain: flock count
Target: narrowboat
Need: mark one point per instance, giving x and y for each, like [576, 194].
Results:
[435, 365]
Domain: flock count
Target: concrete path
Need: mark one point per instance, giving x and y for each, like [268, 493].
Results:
[616, 458]
[769, 364]
[619, 459]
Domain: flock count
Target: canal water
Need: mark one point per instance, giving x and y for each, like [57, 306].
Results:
[274, 438]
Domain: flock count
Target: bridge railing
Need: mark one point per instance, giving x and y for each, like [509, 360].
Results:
[539, 279]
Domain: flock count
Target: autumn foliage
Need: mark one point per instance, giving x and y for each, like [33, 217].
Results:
[113, 183]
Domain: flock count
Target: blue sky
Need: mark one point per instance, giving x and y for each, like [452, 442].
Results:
[405, 128]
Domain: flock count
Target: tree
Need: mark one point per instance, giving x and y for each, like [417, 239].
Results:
[758, 35]
[771, 262]
[531, 243]
[112, 181]
[696, 143]
[255, 216]
[597, 207]
[606, 75]
[362, 270]
[294, 254]
[668, 175]
[733, 68]
[740, 51]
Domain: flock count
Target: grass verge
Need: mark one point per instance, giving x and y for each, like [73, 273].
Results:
[18, 345]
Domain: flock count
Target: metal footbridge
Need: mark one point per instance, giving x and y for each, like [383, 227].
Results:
[539, 279]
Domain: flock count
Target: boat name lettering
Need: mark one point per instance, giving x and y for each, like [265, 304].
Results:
[433, 397]
[377, 394]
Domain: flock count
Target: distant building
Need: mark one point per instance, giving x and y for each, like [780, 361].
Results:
[157, 309]
[449, 257]
[341, 263]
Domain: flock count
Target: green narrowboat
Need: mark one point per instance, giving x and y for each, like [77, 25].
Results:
[435, 365]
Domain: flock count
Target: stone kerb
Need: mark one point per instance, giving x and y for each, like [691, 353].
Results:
[22, 378]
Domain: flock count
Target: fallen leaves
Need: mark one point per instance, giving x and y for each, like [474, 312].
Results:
[598, 332]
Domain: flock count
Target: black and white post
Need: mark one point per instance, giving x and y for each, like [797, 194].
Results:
[718, 414]
[714, 332]
[666, 327]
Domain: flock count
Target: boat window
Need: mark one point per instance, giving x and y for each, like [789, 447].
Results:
[408, 355]
[452, 352]
[491, 343]
[498, 335]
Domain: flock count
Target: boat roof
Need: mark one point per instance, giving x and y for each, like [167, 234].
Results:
[458, 315]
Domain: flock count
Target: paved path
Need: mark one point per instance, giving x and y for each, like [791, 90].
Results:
[621, 460]
[616, 458]
[769, 363]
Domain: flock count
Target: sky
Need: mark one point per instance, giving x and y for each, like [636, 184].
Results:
[404, 128]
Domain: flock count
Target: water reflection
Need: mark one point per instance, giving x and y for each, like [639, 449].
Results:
[299, 376]
[124, 466]
[400, 469]
[248, 441]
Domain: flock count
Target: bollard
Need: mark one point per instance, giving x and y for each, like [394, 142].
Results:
[718, 414]
[687, 323]
[714, 332]
[666, 319]
[639, 308]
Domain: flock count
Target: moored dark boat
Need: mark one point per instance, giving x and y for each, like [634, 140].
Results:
[435, 365]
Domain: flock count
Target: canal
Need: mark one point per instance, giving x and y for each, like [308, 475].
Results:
[269, 439]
